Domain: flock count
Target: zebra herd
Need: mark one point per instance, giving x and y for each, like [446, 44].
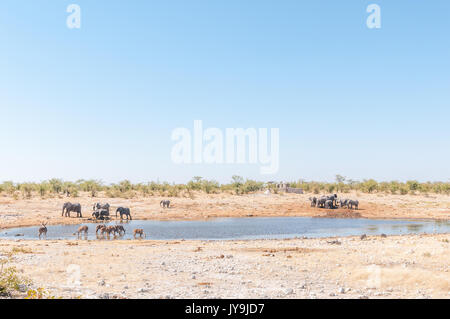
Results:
[104, 230]
[332, 202]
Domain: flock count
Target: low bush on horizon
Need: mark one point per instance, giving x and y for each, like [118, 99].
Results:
[237, 186]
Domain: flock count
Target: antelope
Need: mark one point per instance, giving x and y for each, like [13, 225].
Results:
[108, 230]
[99, 227]
[82, 229]
[43, 230]
[139, 232]
[119, 229]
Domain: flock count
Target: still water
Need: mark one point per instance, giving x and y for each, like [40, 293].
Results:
[246, 228]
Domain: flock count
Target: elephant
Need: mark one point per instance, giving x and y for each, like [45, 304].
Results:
[100, 206]
[100, 214]
[123, 211]
[313, 201]
[321, 202]
[333, 198]
[164, 203]
[343, 203]
[352, 203]
[69, 207]
[329, 204]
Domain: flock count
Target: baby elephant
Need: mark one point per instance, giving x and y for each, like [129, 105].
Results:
[352, 203]
[139, 232]
[43, 230]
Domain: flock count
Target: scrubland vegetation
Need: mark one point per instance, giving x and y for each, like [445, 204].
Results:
[237, 186]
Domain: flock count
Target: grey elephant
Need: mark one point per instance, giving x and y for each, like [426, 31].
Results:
[343, 202]
[123, 211]
[313, 201]
[102, 207]
[321, 201]
[69, 207]
[164, 203]
[329, 204]
[100, 214]
[353, 203]
[333, 198]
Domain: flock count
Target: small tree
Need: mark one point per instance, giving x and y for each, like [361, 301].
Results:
[237, 183]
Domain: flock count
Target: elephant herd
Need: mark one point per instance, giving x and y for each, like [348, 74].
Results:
[332, 202]
[100, 211]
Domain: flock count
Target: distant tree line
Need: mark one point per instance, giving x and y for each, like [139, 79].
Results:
[237, 186]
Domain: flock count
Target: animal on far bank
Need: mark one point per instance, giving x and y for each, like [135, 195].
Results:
[99, 206]
[332, 202]
[69, 207]
[164, 203]
[100, 214]
[124, 211]
[352, 203]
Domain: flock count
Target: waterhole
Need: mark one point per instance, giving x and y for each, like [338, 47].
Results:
[244, 228]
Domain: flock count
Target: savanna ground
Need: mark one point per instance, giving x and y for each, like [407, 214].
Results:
[409, 266]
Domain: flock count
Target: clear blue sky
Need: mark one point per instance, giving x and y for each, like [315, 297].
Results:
[101, 102]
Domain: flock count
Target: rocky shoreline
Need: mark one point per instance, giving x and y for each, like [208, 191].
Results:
[408, 266]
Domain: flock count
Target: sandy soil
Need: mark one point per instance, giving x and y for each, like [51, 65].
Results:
[29, 212]
[412, 266]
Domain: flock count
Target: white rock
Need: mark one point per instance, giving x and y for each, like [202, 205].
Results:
[142, 290]
[289, 291]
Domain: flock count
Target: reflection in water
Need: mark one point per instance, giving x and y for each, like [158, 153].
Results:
[414, 227]
[372, 228]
